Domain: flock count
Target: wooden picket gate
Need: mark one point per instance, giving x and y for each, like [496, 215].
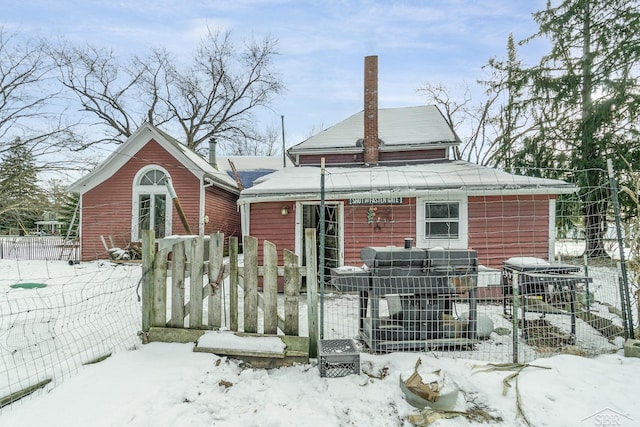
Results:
[167, 317]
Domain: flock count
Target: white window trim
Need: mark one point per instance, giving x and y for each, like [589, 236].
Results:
[462, 242]
[149, 189]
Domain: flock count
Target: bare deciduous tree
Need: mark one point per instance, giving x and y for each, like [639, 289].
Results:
[32, 114]
[215, 95]
[27, 97]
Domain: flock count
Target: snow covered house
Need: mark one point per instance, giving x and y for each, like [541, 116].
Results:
[127, 193]
[389, 176]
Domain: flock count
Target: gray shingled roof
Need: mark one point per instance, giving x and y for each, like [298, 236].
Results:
[397, 127]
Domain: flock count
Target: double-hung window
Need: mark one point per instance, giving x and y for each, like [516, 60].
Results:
[442, 222]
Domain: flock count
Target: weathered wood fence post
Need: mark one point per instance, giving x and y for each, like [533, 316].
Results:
[216, 279]
[311, 257]
[291, 293]
[159, 309]
[195, 285]
[233, 283]
[250, 250]
[177, 285]
[148, 254]
[270, 288]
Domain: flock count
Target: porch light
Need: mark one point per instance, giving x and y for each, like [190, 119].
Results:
[284, 211]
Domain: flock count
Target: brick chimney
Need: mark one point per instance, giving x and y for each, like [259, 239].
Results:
[371, 144]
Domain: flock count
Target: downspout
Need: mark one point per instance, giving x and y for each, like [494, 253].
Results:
[204, 219]
[176, 203]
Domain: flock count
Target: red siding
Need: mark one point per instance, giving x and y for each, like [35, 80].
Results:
[391, 225]
[268, 223]
[106, 213]
[384, 156]
[501, 227]
[106, 209]
[222, 210]
[413, 155]
[331, 159]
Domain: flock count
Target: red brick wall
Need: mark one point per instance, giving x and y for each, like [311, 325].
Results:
[371, 143]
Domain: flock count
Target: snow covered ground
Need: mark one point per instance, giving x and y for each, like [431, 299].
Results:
[170, 385]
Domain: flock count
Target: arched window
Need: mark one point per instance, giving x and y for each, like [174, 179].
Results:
[150, 196]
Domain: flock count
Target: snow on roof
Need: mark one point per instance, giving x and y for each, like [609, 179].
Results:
[397, 127]
[409, 180]
[220, 177]
[124, 152]
[252, 163]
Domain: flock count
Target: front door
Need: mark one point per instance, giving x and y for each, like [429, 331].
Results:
[333, 255]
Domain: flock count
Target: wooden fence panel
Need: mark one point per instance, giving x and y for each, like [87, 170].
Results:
[270, 288]
[149, 244]
[311, 253]
[216, 279]
[195, 282]
[177, 285]
[233, 283]
[250, 247]
[292, 281]
[157, 309]
[159, 316]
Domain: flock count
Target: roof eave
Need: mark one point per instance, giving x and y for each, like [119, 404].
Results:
[221, 184]
[506, 190]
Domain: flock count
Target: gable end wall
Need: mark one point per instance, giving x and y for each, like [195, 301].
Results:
[106, 209]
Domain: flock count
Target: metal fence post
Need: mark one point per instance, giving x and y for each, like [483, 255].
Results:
[322, 247]
[624, 297]
[585, 259]
[515, 316]
[312, 289]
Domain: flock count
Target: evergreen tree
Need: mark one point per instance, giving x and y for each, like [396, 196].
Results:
[510, 122]
[586, 95]
[21, 199]
[67, 214]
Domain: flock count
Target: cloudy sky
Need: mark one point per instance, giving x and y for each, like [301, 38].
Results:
[322, 44]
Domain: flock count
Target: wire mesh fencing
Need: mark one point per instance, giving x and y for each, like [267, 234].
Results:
[49, 248]
[534, 276]
[497, 277]
[56, 317]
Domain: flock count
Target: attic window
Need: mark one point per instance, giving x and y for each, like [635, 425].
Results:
[152, 177]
